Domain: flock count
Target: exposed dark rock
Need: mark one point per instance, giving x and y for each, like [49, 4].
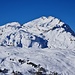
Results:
[30, 63]
[21, 61]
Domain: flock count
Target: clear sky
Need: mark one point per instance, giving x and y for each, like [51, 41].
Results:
[23, 11]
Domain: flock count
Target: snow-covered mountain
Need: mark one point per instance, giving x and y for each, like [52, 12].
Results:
[44, 46]
[41, 33]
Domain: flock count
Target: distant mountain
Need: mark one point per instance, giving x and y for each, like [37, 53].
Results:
[40, 33]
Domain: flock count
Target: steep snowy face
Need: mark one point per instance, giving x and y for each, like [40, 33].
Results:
[7, 30]
[57, 33]
[44, 32]
[45, 24]
[12, 34]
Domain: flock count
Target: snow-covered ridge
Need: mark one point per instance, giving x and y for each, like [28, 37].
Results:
[44, 32]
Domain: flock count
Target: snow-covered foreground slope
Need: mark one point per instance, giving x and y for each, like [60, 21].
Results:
[29, 61]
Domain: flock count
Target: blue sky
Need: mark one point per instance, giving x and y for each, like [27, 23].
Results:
[23, 11]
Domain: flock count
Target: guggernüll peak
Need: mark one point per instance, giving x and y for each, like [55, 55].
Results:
[44, 32]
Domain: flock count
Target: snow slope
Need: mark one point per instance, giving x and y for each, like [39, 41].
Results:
[53, 60]
[45, 45]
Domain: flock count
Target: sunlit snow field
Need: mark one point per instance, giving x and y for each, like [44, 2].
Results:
[61, 61]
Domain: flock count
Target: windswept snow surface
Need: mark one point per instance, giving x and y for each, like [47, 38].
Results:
[58, 60]
[45, 45]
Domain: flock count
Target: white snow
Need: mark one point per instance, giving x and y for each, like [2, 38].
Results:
[45, 41]
[61, 61]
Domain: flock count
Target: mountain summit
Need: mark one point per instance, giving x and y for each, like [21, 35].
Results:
[44, 32]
